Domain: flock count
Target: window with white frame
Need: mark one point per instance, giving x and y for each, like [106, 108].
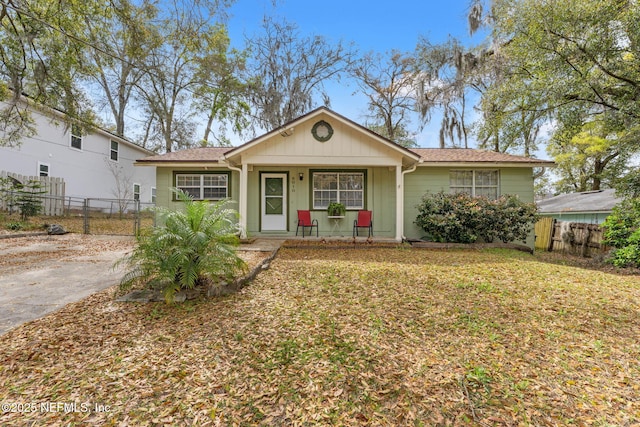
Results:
[136, 192]
[153, 194]
[76, 137]
[342, 187]
[210, 186]
[475, 182]
[113, 155]
[43, 169]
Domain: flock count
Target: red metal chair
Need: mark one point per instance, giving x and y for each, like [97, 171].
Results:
[304, 220]
[363, 221]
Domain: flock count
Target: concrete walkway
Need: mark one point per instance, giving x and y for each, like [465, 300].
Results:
[39, 275]
[262, 244]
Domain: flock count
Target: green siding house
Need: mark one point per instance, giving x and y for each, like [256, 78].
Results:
[323, 157]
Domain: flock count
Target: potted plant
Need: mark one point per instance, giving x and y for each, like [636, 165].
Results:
[336, 209]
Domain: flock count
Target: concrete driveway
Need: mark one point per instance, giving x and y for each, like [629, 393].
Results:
[41, 274]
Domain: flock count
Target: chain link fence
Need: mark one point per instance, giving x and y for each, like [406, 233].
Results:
[121, 217]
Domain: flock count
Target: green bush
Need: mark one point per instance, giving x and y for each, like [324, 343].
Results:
[28, 198]
[622, 232]
[14, 226]
[461, 218]
[191, 248]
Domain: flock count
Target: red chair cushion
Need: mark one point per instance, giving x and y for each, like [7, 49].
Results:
[304, 218]
[364, 218]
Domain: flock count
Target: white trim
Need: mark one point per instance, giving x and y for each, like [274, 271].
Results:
[399, 203]
[185, 165]
[244, 182]
[338, 190]
[274, 221]
[202, 187]
[48, 169]
[474, 185]
[487, 165]
[134, 191]
[78, 136]
[242, 202]
[111, 150]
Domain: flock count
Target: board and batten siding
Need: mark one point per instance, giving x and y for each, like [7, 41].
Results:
[347, 147]
[380, 198]
[435, 179]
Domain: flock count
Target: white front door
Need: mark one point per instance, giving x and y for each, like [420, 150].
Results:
[274, 201]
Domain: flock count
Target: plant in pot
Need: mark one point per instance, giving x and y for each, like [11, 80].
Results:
[336, 209]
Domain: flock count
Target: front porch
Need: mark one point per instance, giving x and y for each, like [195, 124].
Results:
[271, 243]
[273, 211]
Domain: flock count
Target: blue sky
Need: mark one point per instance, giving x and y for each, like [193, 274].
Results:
[377, 26]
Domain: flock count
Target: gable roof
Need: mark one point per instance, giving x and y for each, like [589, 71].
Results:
[318, 111]
[588, 201]
[459, 157]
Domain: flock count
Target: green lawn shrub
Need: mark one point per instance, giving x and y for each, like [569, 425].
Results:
[462, 218]
[622, 232]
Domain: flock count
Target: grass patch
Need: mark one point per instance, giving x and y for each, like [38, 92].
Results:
[349, 337]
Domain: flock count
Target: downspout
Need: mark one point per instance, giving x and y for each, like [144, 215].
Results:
[410, 170]
[243, 231]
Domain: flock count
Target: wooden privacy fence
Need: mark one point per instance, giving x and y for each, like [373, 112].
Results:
[570, 237]
[52, 197]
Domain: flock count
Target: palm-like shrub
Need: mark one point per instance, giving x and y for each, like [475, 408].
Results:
[193, 247]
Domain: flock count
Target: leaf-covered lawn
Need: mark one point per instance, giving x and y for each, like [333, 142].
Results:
[346, 337]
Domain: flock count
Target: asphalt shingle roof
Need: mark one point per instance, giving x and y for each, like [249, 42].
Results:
[429, 155]
[470, 155]
[207, 154]
[589, 201]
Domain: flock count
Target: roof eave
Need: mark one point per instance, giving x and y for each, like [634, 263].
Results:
[181, 163]
[571, 212]
[477, 163]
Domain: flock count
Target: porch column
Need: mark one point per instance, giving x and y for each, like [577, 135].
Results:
[399, 203]
[242, 203]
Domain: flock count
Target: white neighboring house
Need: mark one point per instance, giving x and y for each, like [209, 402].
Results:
[98, 164]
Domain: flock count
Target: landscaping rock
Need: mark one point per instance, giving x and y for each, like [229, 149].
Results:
[144, 295]
[180, 297]
[56, 229]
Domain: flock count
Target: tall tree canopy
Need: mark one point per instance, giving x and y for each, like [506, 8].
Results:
[77, 55]
[442, 84]
[42, 54]
[389, 85]
[590, 152]
[574, 65]
[289, 72]
[575, 52]
[118, 45]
